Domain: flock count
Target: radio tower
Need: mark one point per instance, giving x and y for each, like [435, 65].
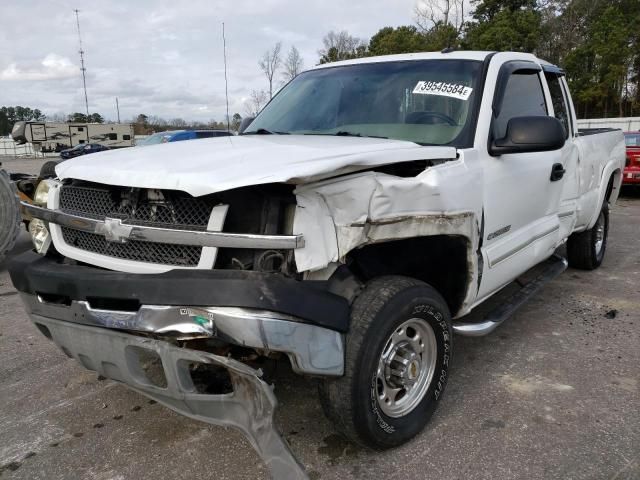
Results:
[82, 69]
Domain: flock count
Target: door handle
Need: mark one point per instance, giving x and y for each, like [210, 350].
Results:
[557, 172]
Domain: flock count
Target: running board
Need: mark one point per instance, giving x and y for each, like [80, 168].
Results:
[500, 314]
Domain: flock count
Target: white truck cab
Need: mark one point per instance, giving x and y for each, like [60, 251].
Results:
[349, 229]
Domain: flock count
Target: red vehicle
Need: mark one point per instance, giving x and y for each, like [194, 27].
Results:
[632, 168]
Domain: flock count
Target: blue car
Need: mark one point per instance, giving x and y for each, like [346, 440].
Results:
[82, 149]
[179, 135]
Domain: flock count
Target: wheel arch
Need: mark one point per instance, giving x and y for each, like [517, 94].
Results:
[443, 261]
[609, 190]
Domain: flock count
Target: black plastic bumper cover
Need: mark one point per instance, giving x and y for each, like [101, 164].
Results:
[310, 301]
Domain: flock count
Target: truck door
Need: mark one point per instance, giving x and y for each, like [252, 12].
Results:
[78, 134]
[521, 197]
[560, 102]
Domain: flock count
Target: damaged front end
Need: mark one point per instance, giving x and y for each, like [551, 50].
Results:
[162, 371]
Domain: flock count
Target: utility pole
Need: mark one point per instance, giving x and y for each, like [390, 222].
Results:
[226, 89]
[118, 109]
[82, 69]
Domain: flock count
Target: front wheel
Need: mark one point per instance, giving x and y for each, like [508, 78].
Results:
[398, 352]
[585, 250]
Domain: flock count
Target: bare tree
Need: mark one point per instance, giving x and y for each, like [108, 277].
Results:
[256, 101]
[292, 64]
[270, 64]
[341, 46]
[177, 122]
[432, 13]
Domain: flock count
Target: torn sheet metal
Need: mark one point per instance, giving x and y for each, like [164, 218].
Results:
[249, 408]
[373, 207]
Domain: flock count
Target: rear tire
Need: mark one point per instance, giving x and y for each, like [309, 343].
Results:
[9, 215]
[398, 352]
[585, 250]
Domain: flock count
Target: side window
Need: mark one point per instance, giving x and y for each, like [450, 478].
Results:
[112, 136]
[523, 97]
[559, 104]
[126, 137]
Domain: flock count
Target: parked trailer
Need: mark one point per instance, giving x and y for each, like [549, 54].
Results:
[53, 137]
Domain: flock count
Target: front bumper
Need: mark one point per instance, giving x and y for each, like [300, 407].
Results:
[310, 302]
[312, 350]
[249, 407]
[263, 312]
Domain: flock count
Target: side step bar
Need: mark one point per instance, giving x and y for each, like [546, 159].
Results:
[494, 318]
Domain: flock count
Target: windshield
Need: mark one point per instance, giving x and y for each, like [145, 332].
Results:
[426, 102]
[155, 139]
[632, 139]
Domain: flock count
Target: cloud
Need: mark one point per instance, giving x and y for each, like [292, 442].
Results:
[52, 67]
[165, 58]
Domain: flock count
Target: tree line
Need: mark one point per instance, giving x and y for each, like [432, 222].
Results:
[597, 42]
[148, 124]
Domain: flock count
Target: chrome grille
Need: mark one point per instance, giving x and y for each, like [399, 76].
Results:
[165, 209]
[147, 252]
[137, 207]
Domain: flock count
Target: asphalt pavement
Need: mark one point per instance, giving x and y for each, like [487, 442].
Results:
[552, 394]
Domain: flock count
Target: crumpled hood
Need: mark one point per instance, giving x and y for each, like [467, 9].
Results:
[201, 167]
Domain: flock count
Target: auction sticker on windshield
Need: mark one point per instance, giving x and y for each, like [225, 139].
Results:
[453, 90]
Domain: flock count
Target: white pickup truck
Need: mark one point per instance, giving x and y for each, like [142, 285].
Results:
[349, 229]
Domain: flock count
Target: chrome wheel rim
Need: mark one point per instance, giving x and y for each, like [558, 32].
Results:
[600, 233]
[406, 367]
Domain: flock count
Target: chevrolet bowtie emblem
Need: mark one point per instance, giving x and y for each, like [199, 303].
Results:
[114, 231]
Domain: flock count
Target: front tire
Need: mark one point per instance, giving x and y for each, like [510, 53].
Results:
[585, 250]
[398, 352]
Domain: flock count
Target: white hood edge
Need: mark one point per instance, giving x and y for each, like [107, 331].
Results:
[202, 167]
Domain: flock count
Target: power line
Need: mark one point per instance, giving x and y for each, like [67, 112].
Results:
[82, 69]
[226, 91]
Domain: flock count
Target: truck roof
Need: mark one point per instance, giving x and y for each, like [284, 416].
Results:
[456, 54]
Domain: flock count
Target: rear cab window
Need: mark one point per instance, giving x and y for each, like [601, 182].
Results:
[558, 100]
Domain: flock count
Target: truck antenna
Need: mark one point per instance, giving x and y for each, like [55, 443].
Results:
[118, 109]
[82, 69]
[226, 87]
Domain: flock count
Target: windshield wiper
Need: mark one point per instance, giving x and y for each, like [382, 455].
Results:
[344, 133]
[264, 131]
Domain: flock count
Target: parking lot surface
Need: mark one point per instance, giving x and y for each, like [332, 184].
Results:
[553, 393]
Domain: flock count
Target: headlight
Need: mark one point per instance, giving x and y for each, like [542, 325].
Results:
[42, 194]
[40, 235]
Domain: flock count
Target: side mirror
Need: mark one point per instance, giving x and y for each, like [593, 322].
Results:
[246, 121]
[529, 134]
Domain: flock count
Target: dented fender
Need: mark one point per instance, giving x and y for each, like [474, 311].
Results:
[339, 215]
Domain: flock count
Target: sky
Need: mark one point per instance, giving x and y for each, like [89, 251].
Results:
[165, 58]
